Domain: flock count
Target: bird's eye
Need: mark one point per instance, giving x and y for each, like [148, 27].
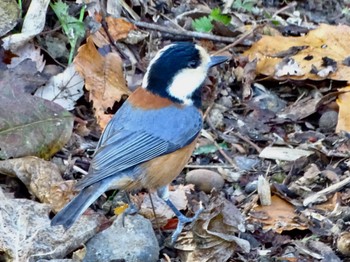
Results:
[192, 64]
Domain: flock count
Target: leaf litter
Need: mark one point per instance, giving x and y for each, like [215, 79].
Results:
[282, 102]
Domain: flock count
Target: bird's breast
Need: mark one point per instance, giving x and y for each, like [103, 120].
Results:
[164, 169]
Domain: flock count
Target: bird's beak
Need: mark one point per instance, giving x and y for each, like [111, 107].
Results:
[215, 60]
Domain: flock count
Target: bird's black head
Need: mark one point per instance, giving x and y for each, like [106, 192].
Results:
[178, 71]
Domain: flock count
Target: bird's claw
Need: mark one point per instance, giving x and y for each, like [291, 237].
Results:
[183, 220]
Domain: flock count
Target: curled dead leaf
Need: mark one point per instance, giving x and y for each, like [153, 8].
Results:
[214, 236]
[104, 78]
[118, 28]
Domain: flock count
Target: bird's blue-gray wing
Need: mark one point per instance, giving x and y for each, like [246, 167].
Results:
[130, 141]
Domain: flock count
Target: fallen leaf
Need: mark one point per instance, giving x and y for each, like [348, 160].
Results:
[103, 78]
[33, 24]
[63, 89]
[322, 55]
[344, 110]
[118, 28]
[163, 212]
[331, 204]
[284, 153]
[24, 77]
[302, 108]
[214, 235]
[30, 125]
[28, 51]
[279, 216]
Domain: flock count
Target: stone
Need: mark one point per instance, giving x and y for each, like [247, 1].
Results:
[205, 180]
[135, 241]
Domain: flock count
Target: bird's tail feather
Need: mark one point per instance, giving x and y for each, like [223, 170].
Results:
[73, 210]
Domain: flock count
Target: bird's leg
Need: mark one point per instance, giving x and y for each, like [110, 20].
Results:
[131, 210]
[163, 193]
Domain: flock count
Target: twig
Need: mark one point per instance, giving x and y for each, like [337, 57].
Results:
[292, 4]
[76, 168]
[51, 31]
[54, 59]
[172, 22]
[247, 140]
[333, 188]
[206, 113]
[209, 166]
[222, 152]
[184, 32]
[129, 10]
[239, 40]
[154, 213]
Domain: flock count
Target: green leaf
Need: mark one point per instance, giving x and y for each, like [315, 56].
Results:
[219, 17]
[208, 149]
[245, 5]
[72, 27]
[202, 24]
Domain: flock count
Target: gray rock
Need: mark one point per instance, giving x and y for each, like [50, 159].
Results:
[251, 187]
[134, 242]
[328, 121]
[205, 180]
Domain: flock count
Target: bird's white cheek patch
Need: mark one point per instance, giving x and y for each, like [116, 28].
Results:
[186, 82]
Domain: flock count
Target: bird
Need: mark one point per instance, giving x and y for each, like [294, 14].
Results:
[150, 139]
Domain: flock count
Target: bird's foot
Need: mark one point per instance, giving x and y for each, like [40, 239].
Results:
[183, 220]
[131, 210]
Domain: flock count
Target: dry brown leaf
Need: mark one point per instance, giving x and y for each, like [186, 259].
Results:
[301, 108]
[163, 212]
[279, 216]
[118, 28]
[214, 236]
[344, 110]
[312, 56]
[42, 178]
[331, 204]
[103, 78]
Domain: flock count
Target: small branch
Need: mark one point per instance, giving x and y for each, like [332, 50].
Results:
[247, 140]
[209, 166]
[184, 32]
[239, 40]
[76, 168]
[323, 193]
[290, 5]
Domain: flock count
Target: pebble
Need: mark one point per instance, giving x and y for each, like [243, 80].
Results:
[135, 241]
[205, 180]
[251, 187]
[328, 121]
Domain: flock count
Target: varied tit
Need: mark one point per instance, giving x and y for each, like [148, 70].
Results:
[150, 139]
